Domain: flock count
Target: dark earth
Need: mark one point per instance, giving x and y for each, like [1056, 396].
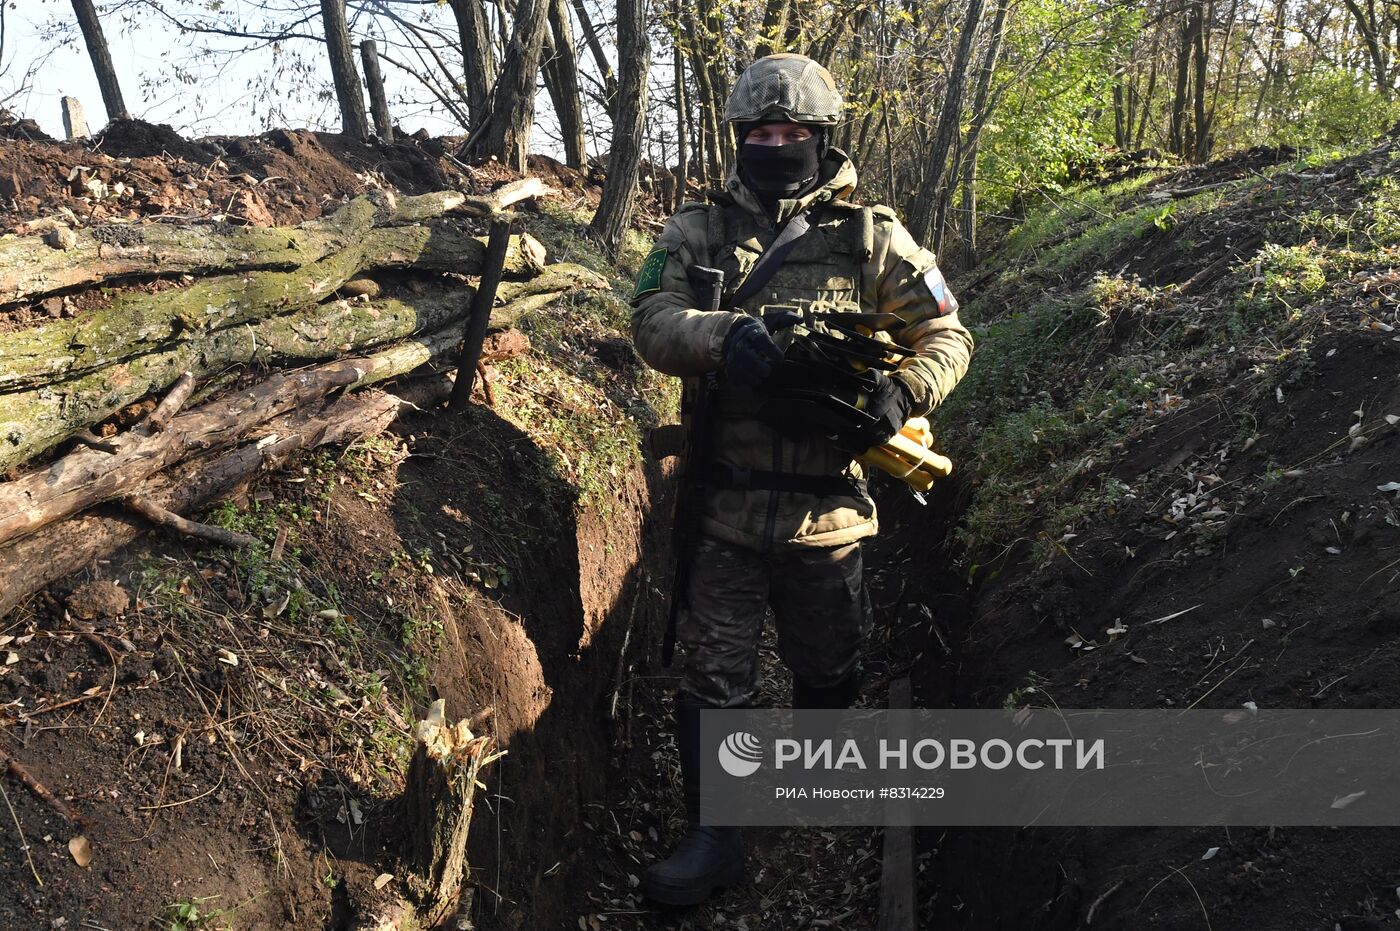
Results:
[455, 559]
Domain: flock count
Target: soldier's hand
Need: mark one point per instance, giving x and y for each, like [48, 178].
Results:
[749, 354]
[890, 403]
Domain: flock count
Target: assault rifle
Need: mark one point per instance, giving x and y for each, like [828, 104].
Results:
[697, 410]
[825, 380]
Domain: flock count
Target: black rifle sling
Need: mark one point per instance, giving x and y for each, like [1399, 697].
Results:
[773, 257]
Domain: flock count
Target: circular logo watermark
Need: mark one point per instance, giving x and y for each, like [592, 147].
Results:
[741, 754]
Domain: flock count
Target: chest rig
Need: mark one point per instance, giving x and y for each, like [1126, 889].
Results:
[831, 266]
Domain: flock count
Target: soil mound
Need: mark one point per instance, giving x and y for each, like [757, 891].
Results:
[137, 171]
[139, 139]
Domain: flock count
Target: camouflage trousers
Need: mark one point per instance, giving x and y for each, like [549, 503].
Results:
[819, 604]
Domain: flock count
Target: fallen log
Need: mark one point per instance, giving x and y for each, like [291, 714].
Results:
[32, 265]
[35, 420]
[65, 547]
[86, 476]
[136, 322]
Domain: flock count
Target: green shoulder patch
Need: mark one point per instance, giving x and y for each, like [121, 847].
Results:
[649, 278]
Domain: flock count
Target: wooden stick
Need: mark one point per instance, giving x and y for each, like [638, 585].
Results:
[93, 441]
[486, 385]
[374, 81]
[170, 405]
[67, 703]
[482, 303]
[499, 201]
[165, 518]
[39, 789]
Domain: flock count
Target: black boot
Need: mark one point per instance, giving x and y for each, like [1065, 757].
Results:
[839, 695]
[706, 858]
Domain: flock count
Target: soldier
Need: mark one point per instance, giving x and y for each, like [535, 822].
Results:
[783, 515]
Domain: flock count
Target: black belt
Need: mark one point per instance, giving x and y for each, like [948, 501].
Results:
[720, 475]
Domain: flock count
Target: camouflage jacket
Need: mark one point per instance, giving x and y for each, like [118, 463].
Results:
[855, 259]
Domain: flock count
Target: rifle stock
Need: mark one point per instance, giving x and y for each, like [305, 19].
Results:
[690, 497]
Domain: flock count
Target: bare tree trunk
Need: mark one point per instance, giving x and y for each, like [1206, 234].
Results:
[969, 212]
[1201, 150]
[933, 191]
[478, 57]
[353, 121]
[682, 122]
[1178, 142]
[374, 80]
[710, 122]
[1272, 64]
[981, 112]
[101, 59]
[1122, 115]
[719, 85]
[629, 120]
[769, 37]
[1151, 90]
[595, 48]
[506, 132]
[561, 80]
[1372, 29]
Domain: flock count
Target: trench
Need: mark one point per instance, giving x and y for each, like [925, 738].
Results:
[539, 660]
[553, 657]
[986, 878]
[553, 684]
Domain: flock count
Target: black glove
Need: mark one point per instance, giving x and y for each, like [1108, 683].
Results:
[889, 403]
[749, 354]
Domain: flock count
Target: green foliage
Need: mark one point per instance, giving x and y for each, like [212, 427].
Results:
[1047, 124]
[1069, 213]
[1024, 445]
[1285, 271]
[194, 915]
[1330, 107]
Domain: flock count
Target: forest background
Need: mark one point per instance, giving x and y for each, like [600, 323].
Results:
[959, 112]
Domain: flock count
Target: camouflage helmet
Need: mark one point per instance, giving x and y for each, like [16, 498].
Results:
[784, 87]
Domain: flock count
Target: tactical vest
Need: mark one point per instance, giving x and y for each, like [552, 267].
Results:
[831, 265]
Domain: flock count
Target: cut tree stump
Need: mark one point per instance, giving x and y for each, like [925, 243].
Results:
[437, 810]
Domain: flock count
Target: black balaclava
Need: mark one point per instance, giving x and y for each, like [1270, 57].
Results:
[776, 171]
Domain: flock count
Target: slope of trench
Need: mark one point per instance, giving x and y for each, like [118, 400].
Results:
[545, 655]
[461, 566]
[1292, 603]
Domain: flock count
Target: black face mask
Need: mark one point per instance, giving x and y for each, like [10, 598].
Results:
[779, 169]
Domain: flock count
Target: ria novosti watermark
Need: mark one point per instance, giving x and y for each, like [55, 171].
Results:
[940, 767]
[928, 754]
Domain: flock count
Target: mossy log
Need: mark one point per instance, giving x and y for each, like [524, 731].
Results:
[33, 421]
[35, 264]
[136, 321]
[65, 547]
